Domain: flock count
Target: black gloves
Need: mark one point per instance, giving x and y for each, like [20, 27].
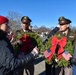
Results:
[73, 61]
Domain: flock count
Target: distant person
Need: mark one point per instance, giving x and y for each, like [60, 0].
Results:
[8, 62]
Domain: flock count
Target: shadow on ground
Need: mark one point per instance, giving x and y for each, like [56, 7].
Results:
[38, 60]
[43, 73]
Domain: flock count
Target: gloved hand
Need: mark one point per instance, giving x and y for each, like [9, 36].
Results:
[35, 52]
[73, 61]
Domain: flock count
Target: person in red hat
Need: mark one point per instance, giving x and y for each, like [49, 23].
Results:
[9, 63]
[3, 22]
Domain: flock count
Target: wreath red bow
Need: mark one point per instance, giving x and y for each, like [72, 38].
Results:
[61, 44]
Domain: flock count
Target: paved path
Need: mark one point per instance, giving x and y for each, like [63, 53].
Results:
[39, 66]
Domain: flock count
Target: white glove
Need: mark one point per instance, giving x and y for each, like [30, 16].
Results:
[35, 52]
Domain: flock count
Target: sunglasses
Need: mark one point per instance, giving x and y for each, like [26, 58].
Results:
[62, 24]
[25, 23]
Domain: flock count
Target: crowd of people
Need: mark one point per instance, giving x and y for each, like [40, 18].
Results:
[15, 64]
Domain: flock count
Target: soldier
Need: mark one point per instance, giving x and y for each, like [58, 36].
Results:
[65, 30]
[27, 46]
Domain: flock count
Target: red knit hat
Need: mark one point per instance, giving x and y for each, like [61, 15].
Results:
[3, 20]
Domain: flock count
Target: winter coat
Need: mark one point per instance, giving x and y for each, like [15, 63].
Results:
[8, 62]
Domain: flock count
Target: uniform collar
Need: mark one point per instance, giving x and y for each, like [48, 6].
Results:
[26, 30]
[66, 32]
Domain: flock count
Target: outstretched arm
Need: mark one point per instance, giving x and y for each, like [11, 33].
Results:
[53, 31]
[45, 38]
[10, 62]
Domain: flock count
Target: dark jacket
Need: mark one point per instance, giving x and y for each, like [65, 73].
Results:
[8, 62]
[73, 59]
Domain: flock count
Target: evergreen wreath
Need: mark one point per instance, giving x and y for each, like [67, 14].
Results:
[62, 61]
[35, 39]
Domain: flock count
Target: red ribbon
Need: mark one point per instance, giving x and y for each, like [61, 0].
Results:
[55, 42]
[26, 39]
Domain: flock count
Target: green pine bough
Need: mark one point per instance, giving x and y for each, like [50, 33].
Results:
[62, 61]
[42, 48]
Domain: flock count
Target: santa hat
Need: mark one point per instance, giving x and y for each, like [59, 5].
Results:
[3, 20]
